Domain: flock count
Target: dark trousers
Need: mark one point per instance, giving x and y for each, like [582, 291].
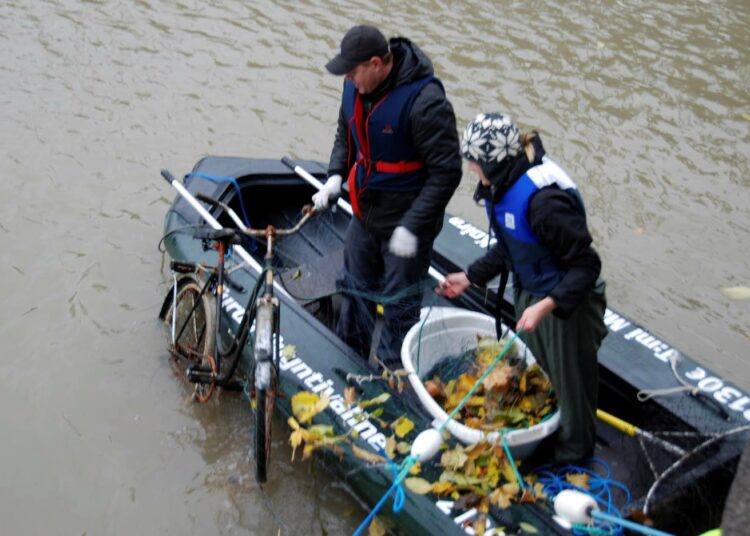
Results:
[566, 350]
[373, 274]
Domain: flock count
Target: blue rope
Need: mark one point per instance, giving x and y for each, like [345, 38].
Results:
[404, 470]
[398, 501]
[223, 179]
[601, 488]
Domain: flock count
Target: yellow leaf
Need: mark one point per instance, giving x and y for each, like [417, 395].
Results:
[402, 426]
[302, 403]
[511, 488]
[454, 459]
[296, 438]
[376, 528]
[307, 450]
[465, 383]
[528, 527]
[370, 457]
[380, 399]
[526, 404]
[441, 488]
[350, 395]
[288, 351]
[390, 446]
[499, 378]
[293, 423]
[322, 430]
[580, 480]
[305, 405]
[507, 472]
[415, 469]
[479, 525]
[501, 498]
[403, 448]
[418, 485]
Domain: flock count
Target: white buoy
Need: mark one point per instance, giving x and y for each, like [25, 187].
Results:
[574, 506]
[426, 445]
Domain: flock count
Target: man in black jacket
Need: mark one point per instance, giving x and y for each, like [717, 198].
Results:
[397, 142]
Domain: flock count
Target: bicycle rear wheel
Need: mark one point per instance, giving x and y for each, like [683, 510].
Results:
[189, 320]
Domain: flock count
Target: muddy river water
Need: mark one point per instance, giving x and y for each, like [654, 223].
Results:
[646, 104]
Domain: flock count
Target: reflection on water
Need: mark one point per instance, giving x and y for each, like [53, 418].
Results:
[646, 105]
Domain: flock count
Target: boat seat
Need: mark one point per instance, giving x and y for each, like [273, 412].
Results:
[316, 279]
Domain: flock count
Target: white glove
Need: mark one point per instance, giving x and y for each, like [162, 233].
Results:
[330, 190]
[403, 243]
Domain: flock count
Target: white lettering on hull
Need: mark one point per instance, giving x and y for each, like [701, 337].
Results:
[725, 394]
[317, 382]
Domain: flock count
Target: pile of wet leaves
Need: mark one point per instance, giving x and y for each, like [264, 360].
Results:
[477, 476]
[480, 476]
[513, 395]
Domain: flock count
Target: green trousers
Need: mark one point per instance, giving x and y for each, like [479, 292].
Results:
[566, 350]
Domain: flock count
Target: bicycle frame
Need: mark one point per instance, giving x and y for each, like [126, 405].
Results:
[265, 310]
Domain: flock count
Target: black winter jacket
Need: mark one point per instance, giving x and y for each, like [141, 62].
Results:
[434, 135]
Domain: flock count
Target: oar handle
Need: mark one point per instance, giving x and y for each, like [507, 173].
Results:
[617, 423]
[167, 176]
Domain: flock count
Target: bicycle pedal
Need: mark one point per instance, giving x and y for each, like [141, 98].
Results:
[200, 374]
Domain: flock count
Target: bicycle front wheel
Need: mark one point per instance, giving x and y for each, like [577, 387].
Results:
[265, 400]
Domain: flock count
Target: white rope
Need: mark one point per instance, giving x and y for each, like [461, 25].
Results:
[645, 394]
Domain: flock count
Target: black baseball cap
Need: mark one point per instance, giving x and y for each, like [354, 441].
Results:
[358, 45]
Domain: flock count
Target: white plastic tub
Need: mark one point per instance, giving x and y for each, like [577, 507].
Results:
[451, 332]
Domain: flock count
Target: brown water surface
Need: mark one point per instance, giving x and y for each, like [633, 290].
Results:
[645, 104]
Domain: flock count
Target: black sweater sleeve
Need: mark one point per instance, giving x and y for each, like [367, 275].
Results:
[556, 218]
[494, 262]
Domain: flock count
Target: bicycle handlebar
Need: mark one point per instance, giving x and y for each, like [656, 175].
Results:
[270, 230]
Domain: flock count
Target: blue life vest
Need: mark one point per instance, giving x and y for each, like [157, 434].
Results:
[534, 267]
[386, 158]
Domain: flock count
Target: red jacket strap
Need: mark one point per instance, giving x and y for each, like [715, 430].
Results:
[398, 167]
